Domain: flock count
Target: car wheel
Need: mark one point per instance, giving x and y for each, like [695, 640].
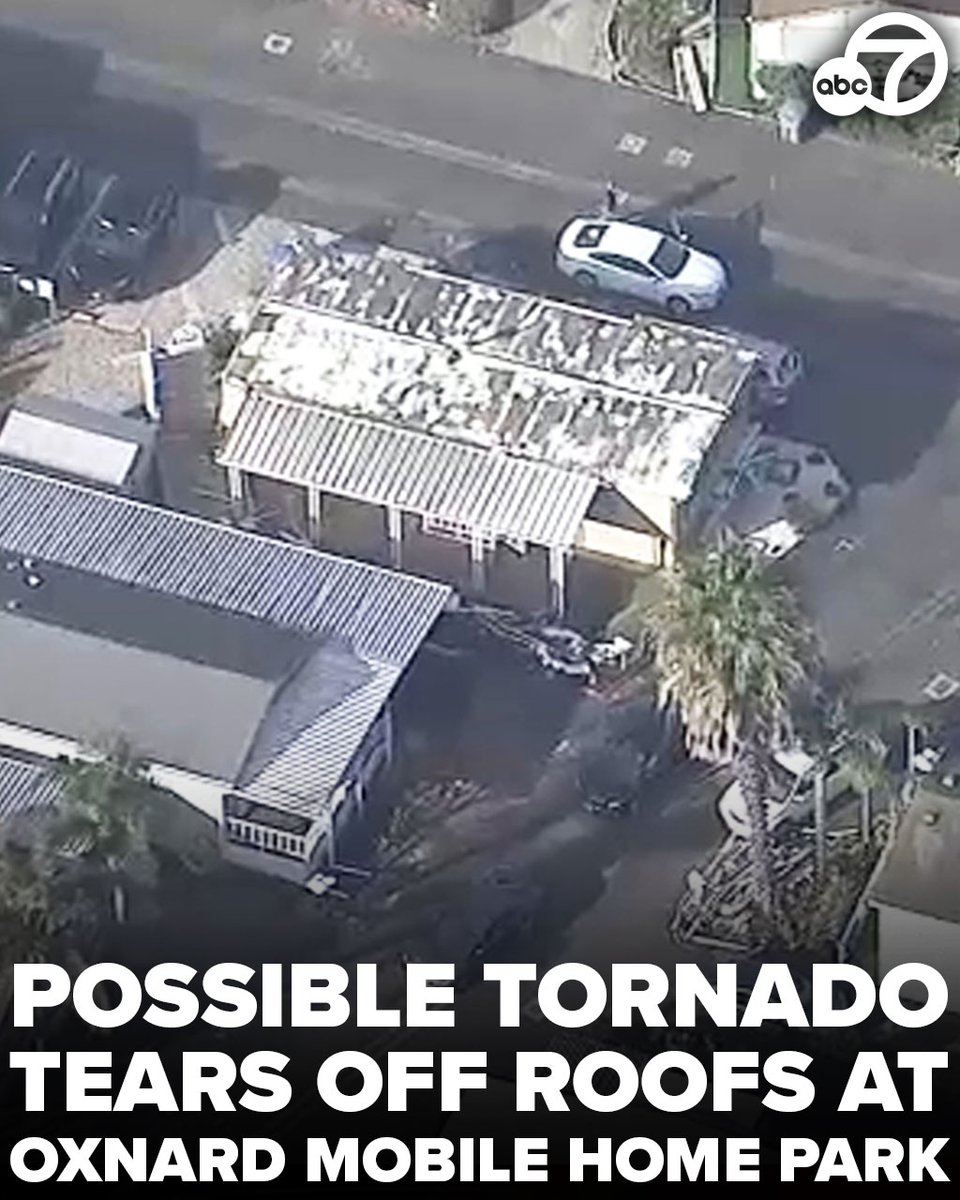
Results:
[586, 279]
[678, 306]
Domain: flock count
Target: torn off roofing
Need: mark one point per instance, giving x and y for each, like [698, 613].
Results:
[383, 336]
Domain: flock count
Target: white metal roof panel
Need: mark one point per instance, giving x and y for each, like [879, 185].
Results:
[384, 615]
[67, 448]
[486, 490]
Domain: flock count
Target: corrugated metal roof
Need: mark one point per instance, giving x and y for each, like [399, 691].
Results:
[299, 763]
[486, 490]
[382, 614]
[312, 732]
[27, 786]
[653, 438]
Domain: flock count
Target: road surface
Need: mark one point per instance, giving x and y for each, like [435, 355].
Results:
[847, 252]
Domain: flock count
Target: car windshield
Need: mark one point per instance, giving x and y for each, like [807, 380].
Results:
[670, 257]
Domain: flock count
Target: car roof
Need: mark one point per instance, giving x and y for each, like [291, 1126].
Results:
[637, 241]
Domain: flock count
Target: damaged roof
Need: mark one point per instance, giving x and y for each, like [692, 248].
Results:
[384, 336]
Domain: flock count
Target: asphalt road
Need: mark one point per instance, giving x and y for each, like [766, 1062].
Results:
[847, 252]
[843, 251]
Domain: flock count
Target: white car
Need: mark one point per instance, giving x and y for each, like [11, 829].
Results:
[638, 260]
[792, 781]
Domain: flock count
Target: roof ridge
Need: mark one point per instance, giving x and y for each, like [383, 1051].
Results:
[517, 364]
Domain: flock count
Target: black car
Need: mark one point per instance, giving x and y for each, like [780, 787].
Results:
[41, 195]
[121, 239]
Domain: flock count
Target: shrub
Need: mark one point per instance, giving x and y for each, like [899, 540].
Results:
[781, 82]
[469, 18]
[646, 32]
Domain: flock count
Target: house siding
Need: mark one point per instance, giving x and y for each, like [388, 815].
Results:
[813, 38]
[627, 546]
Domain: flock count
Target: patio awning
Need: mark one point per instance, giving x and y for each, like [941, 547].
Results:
[486, 490]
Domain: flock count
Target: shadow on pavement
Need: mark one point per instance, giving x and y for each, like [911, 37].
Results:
[50, 97]
[880, 381]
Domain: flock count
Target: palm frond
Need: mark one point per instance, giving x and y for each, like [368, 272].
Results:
[731, 649]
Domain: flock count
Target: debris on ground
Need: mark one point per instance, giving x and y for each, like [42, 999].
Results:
[717, 910]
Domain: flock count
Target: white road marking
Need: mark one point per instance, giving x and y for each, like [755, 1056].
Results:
[677, 156]
[278, 43]
[492, 164]
[355, 127]
[632, 143]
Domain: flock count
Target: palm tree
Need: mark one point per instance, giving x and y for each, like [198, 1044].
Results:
[27, 920]
[102, 819]
[33, 913]
[730, 651]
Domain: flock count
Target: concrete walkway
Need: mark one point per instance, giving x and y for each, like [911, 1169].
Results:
[567, 34]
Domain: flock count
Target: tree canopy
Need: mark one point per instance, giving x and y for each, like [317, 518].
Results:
[731, 649]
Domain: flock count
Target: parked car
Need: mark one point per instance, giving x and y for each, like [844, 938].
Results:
[120, 240]
[640, 260]
[779, 492]
[40, 196]
[792, 774]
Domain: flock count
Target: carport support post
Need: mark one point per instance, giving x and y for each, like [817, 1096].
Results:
[235, 485]
[558, 580]
[314, 512]
[477, 571]
[395, 534]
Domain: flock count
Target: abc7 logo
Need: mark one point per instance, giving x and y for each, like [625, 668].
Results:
[842, 86]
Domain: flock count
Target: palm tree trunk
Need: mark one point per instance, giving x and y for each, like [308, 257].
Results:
[866, 817]
[820, 822]
[752, 777]
[118, 896]
[118, 903]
